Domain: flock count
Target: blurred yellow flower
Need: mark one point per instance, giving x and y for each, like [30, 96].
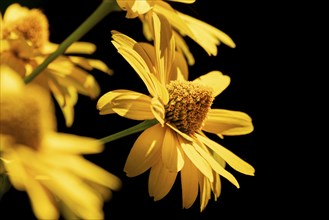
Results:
[135, 8]
[25, 45]
[206, 35]
[48, 165]
[183, 109]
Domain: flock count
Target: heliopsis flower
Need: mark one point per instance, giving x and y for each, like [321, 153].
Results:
[178, 142]
[48, 165]
[25, 45]
[206, 35]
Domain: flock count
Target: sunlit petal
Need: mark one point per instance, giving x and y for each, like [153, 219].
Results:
[228, 122]
[231, 159]
[216, 80]
[197, 159]
[171, 154]
[145, 152]
[126, 103]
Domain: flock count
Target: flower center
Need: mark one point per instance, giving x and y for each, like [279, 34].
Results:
[33, 28]
[20, 119]
[188, 105]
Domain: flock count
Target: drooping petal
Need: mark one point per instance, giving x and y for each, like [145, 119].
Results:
[145, 152]
[43, 204]
[83, 169]
[215, 166]
[126, 103]
[234, 161]
[190, 183]
[216, 80]
[206, 35]
[67, 74]
[204, 192]
[216, 186]
[183, 47]
[161, 181]
[89, 64]
[228, 122]
[196, 159]
[66, 97]
[173, 17]
[171, 154]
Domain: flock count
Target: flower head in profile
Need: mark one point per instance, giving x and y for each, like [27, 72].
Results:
[48, 165]
[177, 143]
[204, 34]
[25, 45]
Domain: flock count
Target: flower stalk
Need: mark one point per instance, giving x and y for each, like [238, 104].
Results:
[137, 128]
[105, 8]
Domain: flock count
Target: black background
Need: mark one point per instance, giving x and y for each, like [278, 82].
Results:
[254, 89]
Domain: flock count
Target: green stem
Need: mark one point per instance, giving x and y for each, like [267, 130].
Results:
[106, 7]
[139, 127]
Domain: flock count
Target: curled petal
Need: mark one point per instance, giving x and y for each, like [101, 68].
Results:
[126, 103]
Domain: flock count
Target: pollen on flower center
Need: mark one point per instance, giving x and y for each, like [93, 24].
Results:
[33, 28]
[188, 105]
[20, 119]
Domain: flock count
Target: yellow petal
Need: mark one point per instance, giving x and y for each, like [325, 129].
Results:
[145, 152]
[204, 192]
[158, 110]
[71, 144]
[67, 74]
[15, 169]
[189, 181]
[161, 181]
[197, 159]
[86, 170]
[138, 58]
[42, 203]
[234, 161]
[206, 35]
[216, 166]
[216, 80]
[216, 186]
[81, 47]
[164, 44]
[228, 122]
[66, 97]
[171, 154]
[173, 17]
[126, 103]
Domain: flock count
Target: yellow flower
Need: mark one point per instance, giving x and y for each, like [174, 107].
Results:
[48, 165]
[206, 35]
[183, 109]
[25, 45]
[135, 8]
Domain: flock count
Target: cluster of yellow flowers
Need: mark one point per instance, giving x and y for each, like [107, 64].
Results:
[175, 115]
